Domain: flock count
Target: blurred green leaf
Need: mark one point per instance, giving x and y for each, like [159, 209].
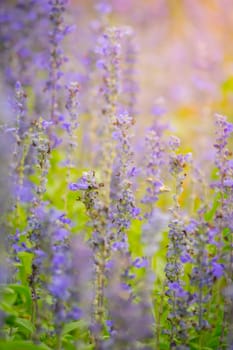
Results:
[227, 86]
[25, 266]
[25, 324]
[72, 326]
[23, 295]
[7, 295]
[22, 345]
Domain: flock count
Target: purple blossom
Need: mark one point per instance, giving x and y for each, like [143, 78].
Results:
[59, 259]
[103, 8]
[81, 185]
[57, 32]
[174, 143]
[40, 256]
[228, 183]
[185, 258]
[123, 206]
[60, 234]
[159, 108]
[192, 226]
[24, 191]
[75, 314]
[218, 269]
[135, 212]
[64, 219]
[133, 172]
[155, 161]
[59, 286]
[46, 124]
[152, 229]
[140, 263]
[119, 246]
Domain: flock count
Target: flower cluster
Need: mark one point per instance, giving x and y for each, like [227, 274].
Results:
[177, 255]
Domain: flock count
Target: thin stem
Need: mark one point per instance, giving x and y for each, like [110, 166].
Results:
[158, 326]
[59, 341]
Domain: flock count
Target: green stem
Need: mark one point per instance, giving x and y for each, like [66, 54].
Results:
[59, 341]
[158, 327]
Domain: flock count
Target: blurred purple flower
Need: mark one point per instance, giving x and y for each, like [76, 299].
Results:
[140, 263]
[82, 184]
[218, 269]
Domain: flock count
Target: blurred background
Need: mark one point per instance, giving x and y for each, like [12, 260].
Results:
[183, 62]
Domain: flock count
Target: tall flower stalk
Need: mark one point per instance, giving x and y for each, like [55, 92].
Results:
[20, 147]
[109, 50]
[129, 73]
[18, 167]
[178, 298]
[123, 207]
[6, 184]
[35, 229]
[224, 213]
[97, 213]
[71, 125]
[155, 219]
[58, 30]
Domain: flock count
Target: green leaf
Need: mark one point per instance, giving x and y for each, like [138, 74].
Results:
[22, 345]
[7, 295]
[24, 323]
[227, 86]
[210, 214]
[25, 267]
[72, 326]
[24, 295]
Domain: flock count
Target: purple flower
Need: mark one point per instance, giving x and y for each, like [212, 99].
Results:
[174, 285]
[179, 291]
[103, 8]
[185, 258]
[18, 85]
[174, 143]
[218, 269]
[16, 248]
[64, 219]
[228, 182]
[59, 259]
[59, 286]
[24, 191]
[46, 124]
[80, 185]
[109, 264]
[140, 263]
[228, 129]
[119, 246]
[135, 212]
[230, 163]
[57, 58]
[212, 234]
[109, 325]
[133, 172]
[40, 256]
[69, 29]
[159, 108]
[60, 234]
[192, 226]
[155, 161]
[75, 313]
[152, 230]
